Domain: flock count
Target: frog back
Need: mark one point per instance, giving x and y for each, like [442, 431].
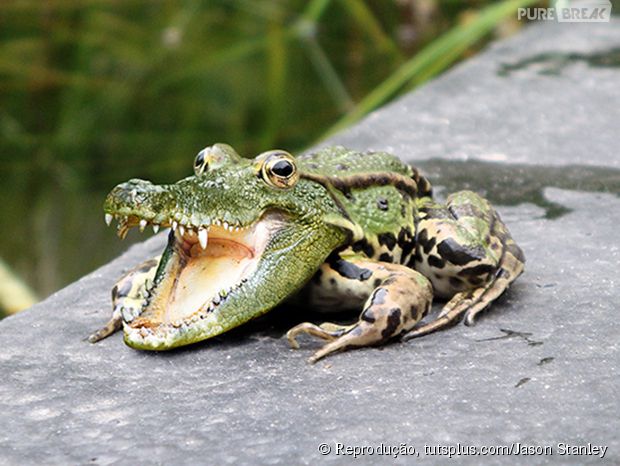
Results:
[341, 162]
[378, 192]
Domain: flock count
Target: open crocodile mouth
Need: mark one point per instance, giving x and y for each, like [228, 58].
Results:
[201, 268]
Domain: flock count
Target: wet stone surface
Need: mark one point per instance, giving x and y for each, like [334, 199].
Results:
[539, 136]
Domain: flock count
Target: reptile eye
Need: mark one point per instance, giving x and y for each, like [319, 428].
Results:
[200, 163]
[279, 169]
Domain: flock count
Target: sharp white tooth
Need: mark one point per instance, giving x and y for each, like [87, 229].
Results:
[218, 223]
[142, 224]
[108, 219]
[226, 225]
[174, 224]
[155, 228]
[203, 237]
[181, 230]
[236, 228]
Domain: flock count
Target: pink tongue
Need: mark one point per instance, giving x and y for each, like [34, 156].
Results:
[223, 247]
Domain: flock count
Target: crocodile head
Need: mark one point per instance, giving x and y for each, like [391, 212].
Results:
[244, 235]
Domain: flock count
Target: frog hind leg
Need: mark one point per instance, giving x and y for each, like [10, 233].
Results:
[127, 297]
[474, 257]
[399, 297]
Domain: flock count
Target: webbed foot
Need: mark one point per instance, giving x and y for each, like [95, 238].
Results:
[127, 298]
[469, 304]
[401, 299]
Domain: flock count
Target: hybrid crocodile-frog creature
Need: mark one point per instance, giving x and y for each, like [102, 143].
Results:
[338, 229]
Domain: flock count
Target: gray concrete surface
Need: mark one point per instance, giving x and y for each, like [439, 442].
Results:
[533, 123]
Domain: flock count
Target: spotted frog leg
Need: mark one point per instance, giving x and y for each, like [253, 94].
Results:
[397, 298]
[469, 255]
[128, 296]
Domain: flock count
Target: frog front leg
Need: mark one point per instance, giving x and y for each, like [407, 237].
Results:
[128, 295]
[397, 298]
[468, 254]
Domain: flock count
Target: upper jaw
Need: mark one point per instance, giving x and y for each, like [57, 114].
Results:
[140, 203]
[182, 226]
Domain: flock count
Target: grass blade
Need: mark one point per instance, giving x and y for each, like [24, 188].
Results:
[432, 59]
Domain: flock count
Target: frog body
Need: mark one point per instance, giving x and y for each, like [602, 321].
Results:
[336, 228]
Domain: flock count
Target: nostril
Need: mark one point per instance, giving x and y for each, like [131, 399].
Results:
[134, 191]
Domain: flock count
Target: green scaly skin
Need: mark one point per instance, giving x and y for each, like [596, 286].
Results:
[337, 228]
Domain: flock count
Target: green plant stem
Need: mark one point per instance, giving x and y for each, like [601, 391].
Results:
[362, 14]
[328, 74]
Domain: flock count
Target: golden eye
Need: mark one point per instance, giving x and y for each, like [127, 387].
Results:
[279, 169]
[201, 163]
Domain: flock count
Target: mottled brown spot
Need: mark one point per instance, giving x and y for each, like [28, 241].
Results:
[368, 316]
[124, 289]
[436, 262]
[478, 270]
[393, 322]
[363, 246]
[147, 266]
[413, 312]
[390, 281]
[350, 270]
[459, 254]
[378, 297]
[456, 282]
[475, 281]
[405, 241]
[387, 239]
[386, 257]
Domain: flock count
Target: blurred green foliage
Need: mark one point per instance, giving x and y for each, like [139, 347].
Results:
[94, 92]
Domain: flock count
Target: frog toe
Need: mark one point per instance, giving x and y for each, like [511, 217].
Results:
[355, 338]
[326, 331]
[470, 315]
[114, 324]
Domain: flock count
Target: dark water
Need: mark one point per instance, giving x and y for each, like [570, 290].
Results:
[513, 184]
[552, 63]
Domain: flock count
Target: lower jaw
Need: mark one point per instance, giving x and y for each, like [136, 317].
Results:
[161, 339]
